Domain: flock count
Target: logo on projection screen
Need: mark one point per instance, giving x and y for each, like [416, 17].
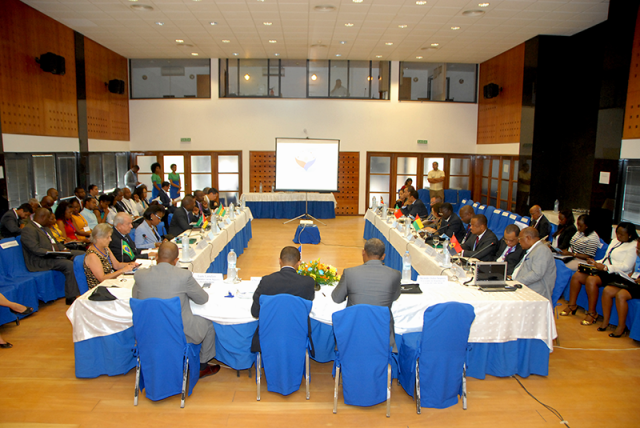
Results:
[306, 160]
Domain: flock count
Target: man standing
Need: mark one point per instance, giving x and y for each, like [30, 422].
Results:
[121, 245]
[483, 243]
[371, 283]
[540, 222]
[466, 212]
[183, 216]
[165, 281]
[436, 182]
[415, 207]
[131, 178]
[537, 270]
[285, 281]
[10, 222]
[509, 249]
[37, 241]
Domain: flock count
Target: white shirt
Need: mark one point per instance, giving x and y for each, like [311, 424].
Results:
[130, 203]
[623, 257]
[436, 174]
[504, 253]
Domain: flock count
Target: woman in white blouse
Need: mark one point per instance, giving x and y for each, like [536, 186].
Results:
[620, 257]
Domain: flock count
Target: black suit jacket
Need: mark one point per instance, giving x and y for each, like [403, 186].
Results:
[9, 225]
[467, 233]
[513, 258]
[452, 226]
[564, 239]
[543, 227]
[116, 248]
[35, 245]
[180, 221]
[416, 209]
[165, 199]
[285, 281]
[486, 248]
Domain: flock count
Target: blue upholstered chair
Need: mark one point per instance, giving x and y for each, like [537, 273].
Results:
[563, 277]
[553, 229]
[423, 195]
[600, 253]
[488, 213]
[363, 356]
[500, 221]
[464, 194]
[433, 367]
[78, 271]
[166, 363]
[284, 343]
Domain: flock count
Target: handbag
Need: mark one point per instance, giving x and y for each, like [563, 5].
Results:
[589, 270]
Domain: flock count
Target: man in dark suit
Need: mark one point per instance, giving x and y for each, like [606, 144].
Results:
[183, 216]
[466, 212]
[201, 203]
[451, 224]
[10, 221]
[509, 249]
[415, 207]
[371, 283]
[483, 243]
[285, 281]
[121, 245]
[37, 241]
[540, 222]
[165, 281]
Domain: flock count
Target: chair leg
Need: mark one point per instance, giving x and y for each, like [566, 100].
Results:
[306, 367]
[335, 391]
[185, 372]
[417, 388]
[464, 387]
[388, 390]
[136, 392]
[258, 374]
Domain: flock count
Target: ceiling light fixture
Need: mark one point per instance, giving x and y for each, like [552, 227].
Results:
[419, 57]
[421, 3]
[314, 77]
[435, 44]
[213, 23]
[348, 24]
[235, 54]
[276, 54]
[160, 23]
[402, 26]
[247, 77]
[357, 1]
[179, 41]
[475, 12]
[378, 56]
[338, 54]
[267, 23]
[226, 41]
[273, 41]
[342, 42]
[389, 43]
[455, 28]
[141, 7]
[483, 4]
[324, 8]
[195, 53]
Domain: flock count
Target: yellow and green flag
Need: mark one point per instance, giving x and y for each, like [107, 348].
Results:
[417, 225]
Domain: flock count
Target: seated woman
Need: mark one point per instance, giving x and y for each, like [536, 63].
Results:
[65, 222]
[432, 226]
[59, 234]
[99, 262]
[15, 308]
[140, 198]
[622, 291]
[620, 257]
[584, 243]
[117, 196]
[79, 222]
[566, 230]
[102, 210]
[147, 235]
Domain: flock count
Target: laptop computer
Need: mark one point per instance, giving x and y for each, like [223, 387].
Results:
[491, 276]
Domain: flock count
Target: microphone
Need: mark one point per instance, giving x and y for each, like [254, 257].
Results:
[479, 253]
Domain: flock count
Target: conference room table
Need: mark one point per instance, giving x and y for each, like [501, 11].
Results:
[288, 205]
[513, 331]
[100, 349]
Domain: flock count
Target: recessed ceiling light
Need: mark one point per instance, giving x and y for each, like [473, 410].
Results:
[342, 42]
[179, 41]
[419, 57]
[276, 54]
[273, 41]
[247, 76]
[133, 1]
[324, 8]
[389, 43]
[195, 53]
[421, 2]
[435, 44]
[267, 23]
[160, 23]
[348, 24]
[226, 41]
[314, 77]
[483, 4]
[455, 28]
[338, 54]
[402, 26]
[213, 23]
[475, 12]
[357, 1]
[196, 0]
[141, 7]
[235, 54]
[378, 56]
[318, 45]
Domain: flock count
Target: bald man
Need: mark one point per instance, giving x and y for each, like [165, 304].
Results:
[47, 202]
[539, 222]
[537, 269]
[165, 281]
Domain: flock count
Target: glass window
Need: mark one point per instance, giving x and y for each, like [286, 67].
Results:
[170, 78]
[228, 164]
[506, 164]
[428, 166]
[200, 181]
[294, 78]
[494, 189]
[45, 174]
[110, 180]
[144, 175]
[407, 165]
[495, 168]
[18, 186]
[318, 78]
[253, 77]
[379, 183]
[459, 166]
[504, 190]
[459, 183]
[452, 82]
[228, 182]
[485, 186]
[122, 163]
[200, 164]
[339, 79]
[229, 197]
[66, 175]
[631, 201]
[95, 171]
[359, 79]
[380, 165]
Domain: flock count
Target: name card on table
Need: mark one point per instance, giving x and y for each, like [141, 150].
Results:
[427, 280]
[394, 224]
[202, 245]
[420, 243]
[227, 221]
[9, 244]
[459, 272]
[440, 259]
[211, 278]
[430, 251]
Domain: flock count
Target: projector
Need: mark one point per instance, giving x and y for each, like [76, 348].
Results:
[306, 222]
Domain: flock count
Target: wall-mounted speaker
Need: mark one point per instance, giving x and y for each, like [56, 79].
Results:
[491, 90]
[51, 63]
[116, 86]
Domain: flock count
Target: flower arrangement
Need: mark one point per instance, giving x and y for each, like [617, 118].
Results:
[322, 273]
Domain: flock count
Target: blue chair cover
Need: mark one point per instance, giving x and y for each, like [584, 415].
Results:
[481, 209]
[554, 229]
[563, 277]
[132, 235]
[600, 253]
[423, 195]
[362, 336]
[170, 217]
[284, 337]
[161, 229]
[451, 196]
[307, 235]
[494, 220]
[78, 271]
[162, 347]
[488, 213]
[501, 221]
[22, 291]
[464, 194]
[442, 350]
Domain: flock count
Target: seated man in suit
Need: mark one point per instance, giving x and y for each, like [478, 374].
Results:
[483, 243]
[201, 202]
[121, 245]
[537, 270]
[414, 207]
[10, 222]
[47, 202]
[37, 240]
[371, 283]
[184, 216]
[466, 212]
[285, 281]
[540, 222]
[212, 197]
[451, 224]
[509, 249]
[165, 281]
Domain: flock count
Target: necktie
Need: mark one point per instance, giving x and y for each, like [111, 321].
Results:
[476, 244]
[509, 251]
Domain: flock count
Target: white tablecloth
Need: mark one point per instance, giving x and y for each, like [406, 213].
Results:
[290, 196]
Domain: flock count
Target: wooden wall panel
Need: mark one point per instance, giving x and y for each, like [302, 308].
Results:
[499, 117]
[262, 169]
[107, 113]
[31, 101]
[632, 111]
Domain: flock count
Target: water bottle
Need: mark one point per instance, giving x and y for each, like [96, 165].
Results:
[273, 187]
[446, 254]
[406, 267]
[185, 247]
[384, 211]
[231, 265]
[556, 206]
[232, 211]
[374, 204]
[261, 187]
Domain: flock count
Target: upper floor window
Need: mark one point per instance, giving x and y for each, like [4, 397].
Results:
[422, 81]
[170, 78]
